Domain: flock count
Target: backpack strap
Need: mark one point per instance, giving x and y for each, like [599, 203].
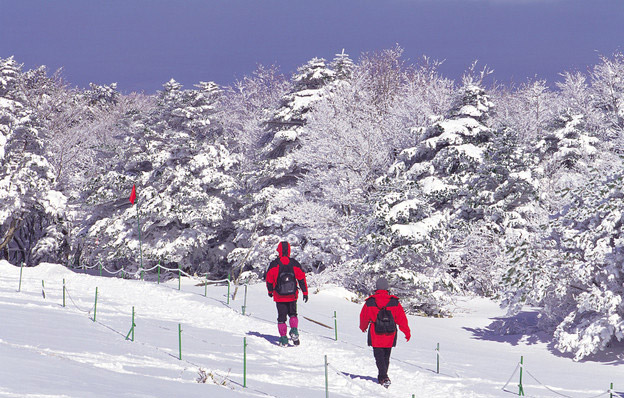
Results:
[371, 302]
[394, 302]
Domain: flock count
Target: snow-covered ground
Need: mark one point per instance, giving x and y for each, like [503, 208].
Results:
[47, 350]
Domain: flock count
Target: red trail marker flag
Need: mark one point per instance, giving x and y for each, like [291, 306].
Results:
[133, 194]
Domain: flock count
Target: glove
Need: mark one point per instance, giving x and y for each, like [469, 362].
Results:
[407, 337]
[305, 298]
[270, 294]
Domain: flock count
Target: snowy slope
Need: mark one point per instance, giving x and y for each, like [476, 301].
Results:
[47, 350]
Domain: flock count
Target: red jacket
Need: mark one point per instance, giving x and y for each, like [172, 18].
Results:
[368, 316]
[271, 279]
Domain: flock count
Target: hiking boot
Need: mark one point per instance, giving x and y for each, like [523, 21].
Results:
[294, 335]
[283, 341]
[386, 382]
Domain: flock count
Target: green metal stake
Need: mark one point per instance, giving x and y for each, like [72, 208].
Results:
[326, 380]
[95, 306]
[63, 292]
[180, 339]
[245, 362]
[520, 388]
[438, 358]
[179, 278]
[611, 391]
[122, 273]
[19, 288]
[245, 301]
[228, 296]
[336, 325]
[132, 327]
[100, 267]
[159, 272]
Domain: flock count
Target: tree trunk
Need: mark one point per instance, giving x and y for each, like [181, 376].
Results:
[10, 233]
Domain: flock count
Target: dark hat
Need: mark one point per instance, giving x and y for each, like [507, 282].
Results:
[382, 284]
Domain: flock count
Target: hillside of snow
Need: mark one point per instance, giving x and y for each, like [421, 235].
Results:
[47, 350]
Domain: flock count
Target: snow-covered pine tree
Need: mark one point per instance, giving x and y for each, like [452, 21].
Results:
[268, 215]
[426, 201]
[569, 269]
[33, 217]
[582, 300]
[343, 66]
[176, 157]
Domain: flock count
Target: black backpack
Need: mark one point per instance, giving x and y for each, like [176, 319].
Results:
[385, 323]
[286, 281]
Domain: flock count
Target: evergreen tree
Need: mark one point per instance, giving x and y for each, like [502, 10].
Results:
[182, 172]
[33, 217]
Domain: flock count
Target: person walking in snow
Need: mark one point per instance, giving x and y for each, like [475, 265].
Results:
[282, 277]
[381, 315]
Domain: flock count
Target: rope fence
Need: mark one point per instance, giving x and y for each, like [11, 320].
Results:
[519, 367]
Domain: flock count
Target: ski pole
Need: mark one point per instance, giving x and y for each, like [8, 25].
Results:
[43, 289]
[63, 292]
[245, 362]
[95, 305]
[206, 286]
[180, 339]
[19, 288]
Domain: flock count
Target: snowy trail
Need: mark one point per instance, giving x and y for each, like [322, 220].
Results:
[51, 351]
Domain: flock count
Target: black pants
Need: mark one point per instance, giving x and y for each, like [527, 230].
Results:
[285, 308]
[382, 359]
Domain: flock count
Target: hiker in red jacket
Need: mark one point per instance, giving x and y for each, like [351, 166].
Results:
[282, 277]
[383, 342]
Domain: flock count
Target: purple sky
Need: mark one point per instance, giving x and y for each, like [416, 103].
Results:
[141, 44]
